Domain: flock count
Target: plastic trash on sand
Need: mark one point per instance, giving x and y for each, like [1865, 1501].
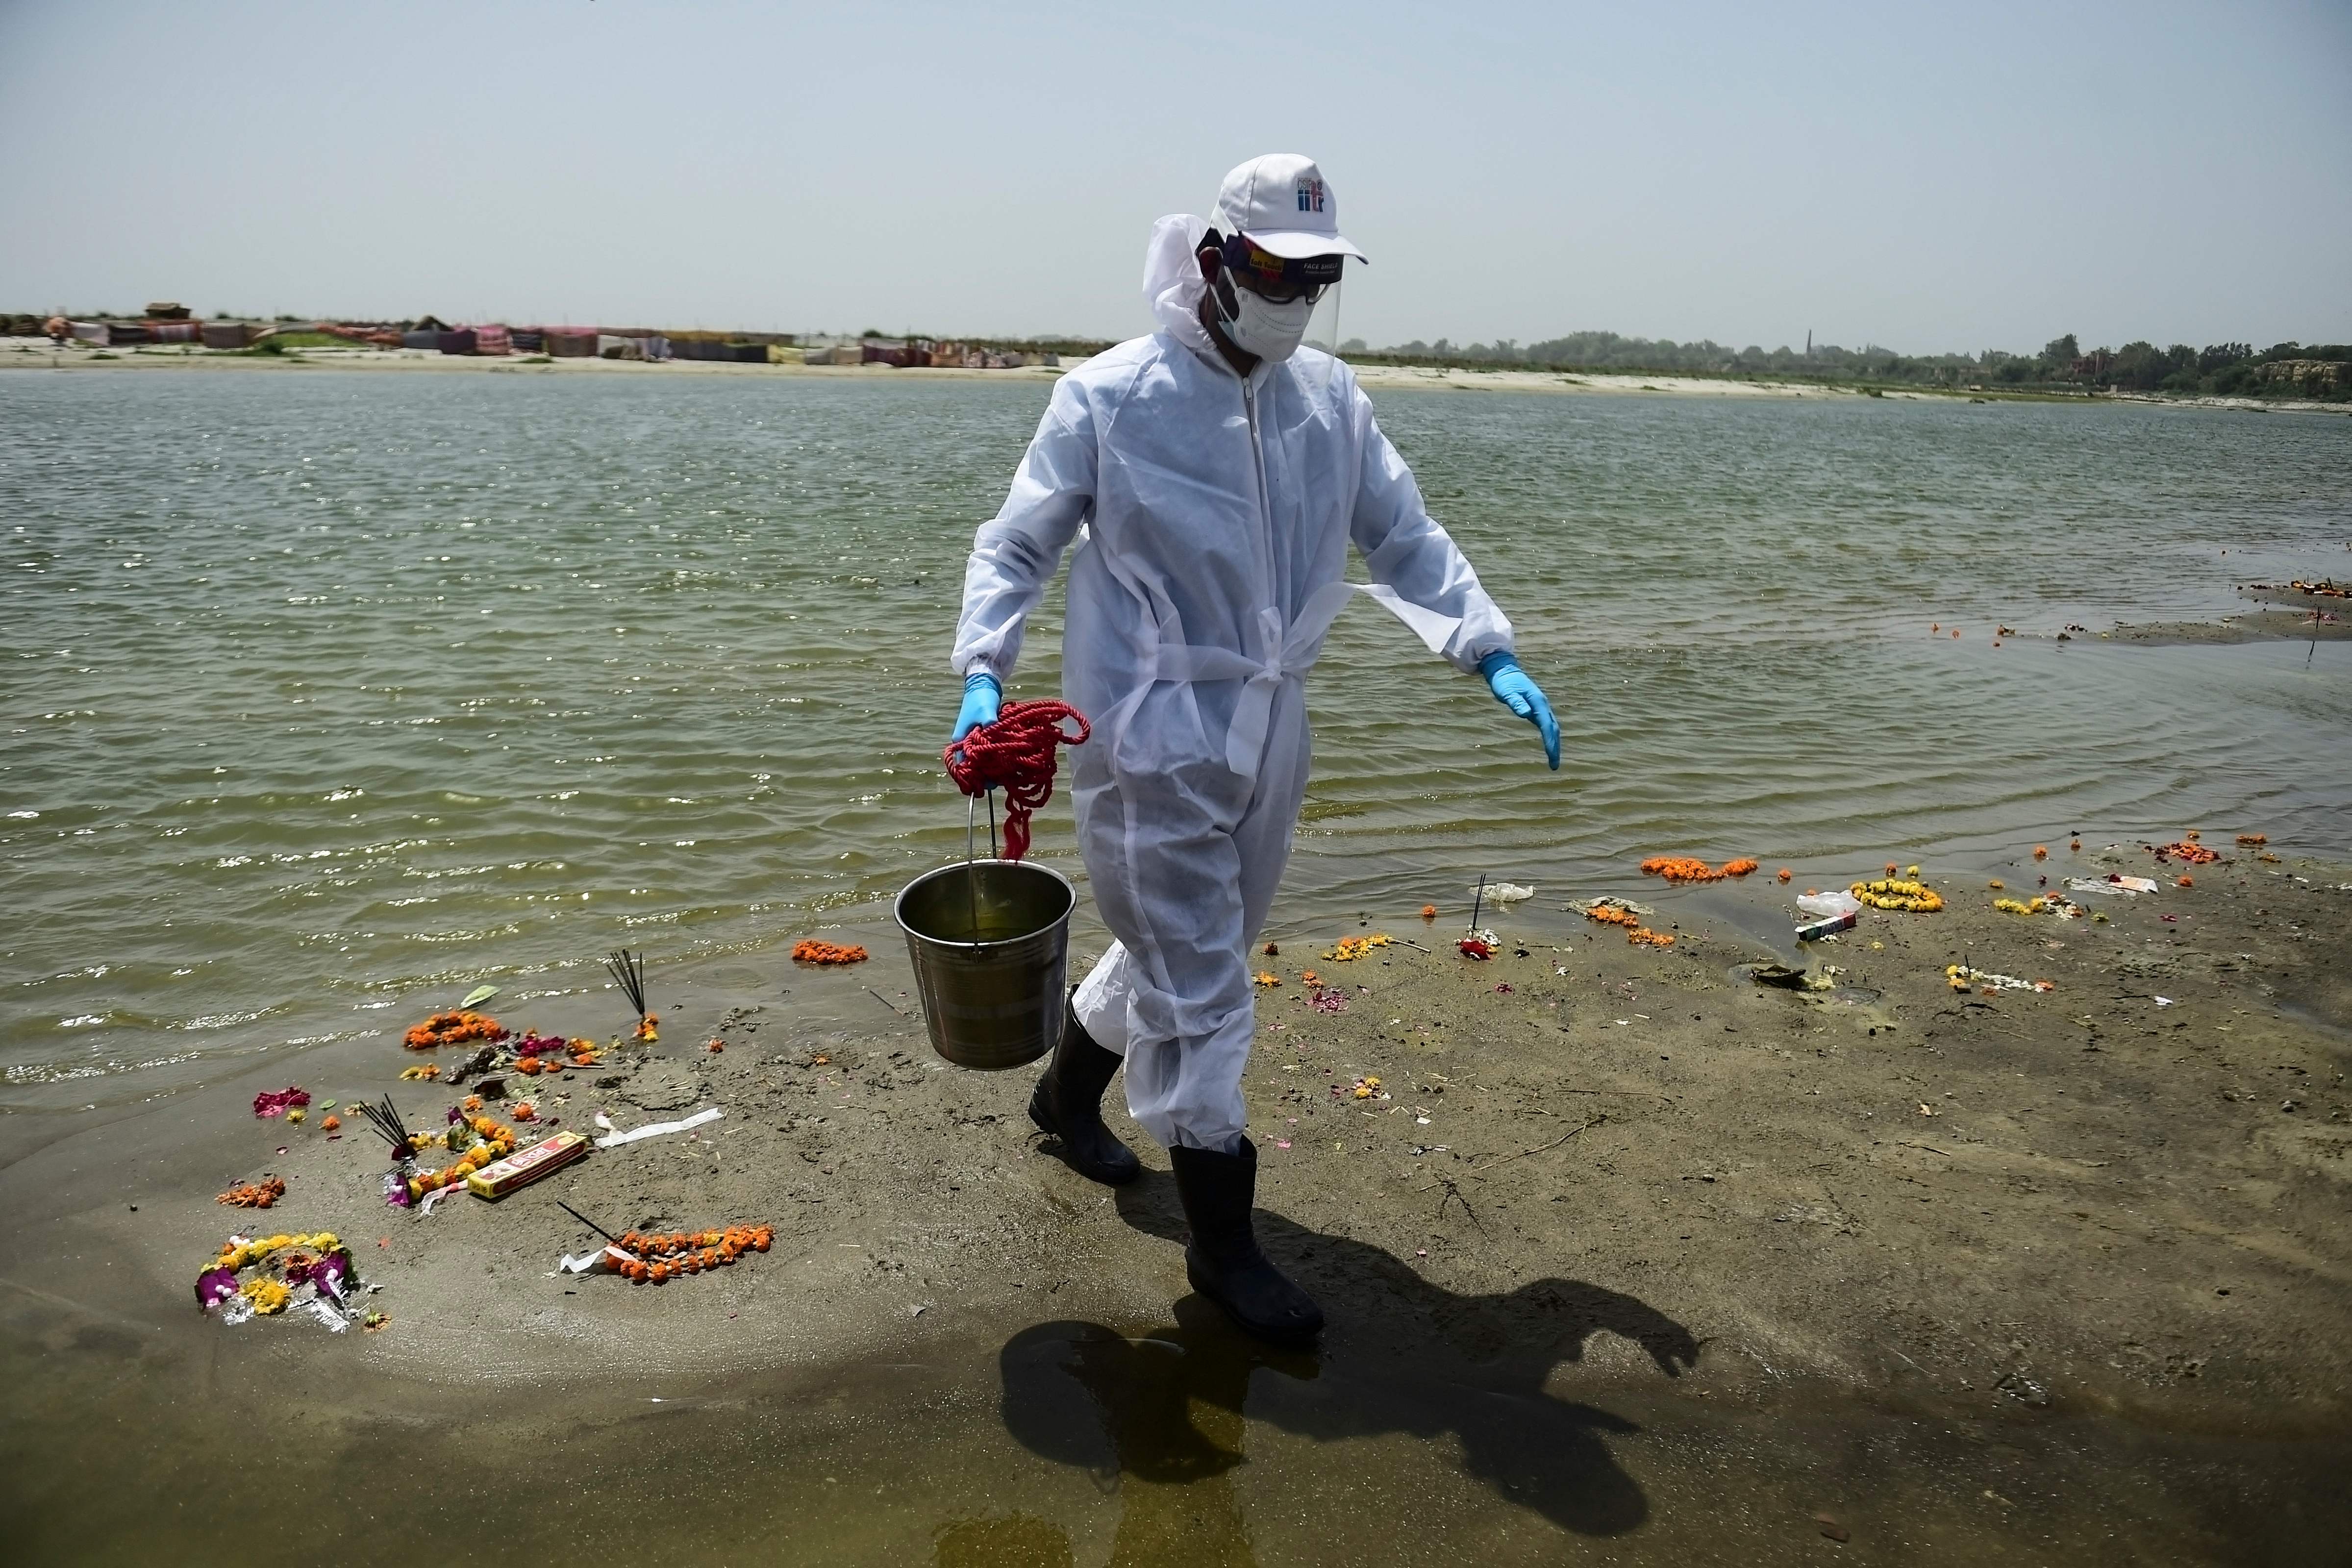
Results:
[614, 1138]
[603, 1260]
[2111, 885]
[1829, 904]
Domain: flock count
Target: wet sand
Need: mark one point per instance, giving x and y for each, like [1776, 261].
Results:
[1625, 1252]
[2259, 626]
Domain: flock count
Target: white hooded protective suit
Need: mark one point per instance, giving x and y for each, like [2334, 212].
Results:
[1217, 512]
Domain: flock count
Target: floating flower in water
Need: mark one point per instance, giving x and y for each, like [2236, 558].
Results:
[2187, 850]
[1429, 911]
[417, 1074]
[2184, 882]
[1782, 874]
[1683, 868]
[2041, 851]
[813, 951]
[1739, 867]
[2253, 840]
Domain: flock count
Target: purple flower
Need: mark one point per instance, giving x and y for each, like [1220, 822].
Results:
[215, 1286]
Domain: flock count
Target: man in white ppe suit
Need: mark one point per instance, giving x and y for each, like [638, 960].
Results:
[1214, 474]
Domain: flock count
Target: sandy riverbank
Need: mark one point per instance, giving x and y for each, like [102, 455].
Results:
[35, 353]
[21, 353]
[1623, 1246]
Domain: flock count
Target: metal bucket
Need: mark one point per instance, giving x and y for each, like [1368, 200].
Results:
[989, 940]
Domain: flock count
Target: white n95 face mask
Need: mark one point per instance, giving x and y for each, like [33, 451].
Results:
[1258, 326]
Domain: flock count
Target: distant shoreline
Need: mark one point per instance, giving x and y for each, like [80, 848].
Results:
[35, 354]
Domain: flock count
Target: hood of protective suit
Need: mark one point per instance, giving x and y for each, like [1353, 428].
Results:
[1172, 283]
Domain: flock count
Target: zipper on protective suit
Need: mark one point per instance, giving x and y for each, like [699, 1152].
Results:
[1265, 523]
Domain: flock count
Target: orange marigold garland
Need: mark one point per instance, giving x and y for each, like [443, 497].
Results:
[452, 1029]
[813, 951]
[1688, 868]
[658, 1258]
[1639, 934]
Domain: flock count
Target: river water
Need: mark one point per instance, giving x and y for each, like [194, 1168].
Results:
[330, 694]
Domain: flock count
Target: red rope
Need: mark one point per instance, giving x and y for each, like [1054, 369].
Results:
[1015, 754]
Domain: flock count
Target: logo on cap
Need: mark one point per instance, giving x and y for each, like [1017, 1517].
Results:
[1310, 195]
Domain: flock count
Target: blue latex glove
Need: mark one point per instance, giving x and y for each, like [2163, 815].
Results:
[981, 696]
[1513, 689]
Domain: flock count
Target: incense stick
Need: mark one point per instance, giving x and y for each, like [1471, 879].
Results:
[588, 1222]
[628, 971]
[385, 1118]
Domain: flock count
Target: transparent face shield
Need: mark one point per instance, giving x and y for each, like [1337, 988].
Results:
[1281, 310]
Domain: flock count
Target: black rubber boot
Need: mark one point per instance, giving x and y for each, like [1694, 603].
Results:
[1068, 1105]
[1224, 1261]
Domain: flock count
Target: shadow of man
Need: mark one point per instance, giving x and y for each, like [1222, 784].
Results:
[1164, 1409]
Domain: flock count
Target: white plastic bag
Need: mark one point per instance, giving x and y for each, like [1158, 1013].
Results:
[1829, 905]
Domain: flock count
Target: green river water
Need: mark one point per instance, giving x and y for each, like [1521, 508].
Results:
[328, 694]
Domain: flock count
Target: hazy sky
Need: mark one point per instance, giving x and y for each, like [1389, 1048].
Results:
[1933, 179]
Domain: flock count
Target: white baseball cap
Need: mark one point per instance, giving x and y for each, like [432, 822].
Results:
[1284, 206]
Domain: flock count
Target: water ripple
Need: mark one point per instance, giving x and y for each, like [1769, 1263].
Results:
[345, 691]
